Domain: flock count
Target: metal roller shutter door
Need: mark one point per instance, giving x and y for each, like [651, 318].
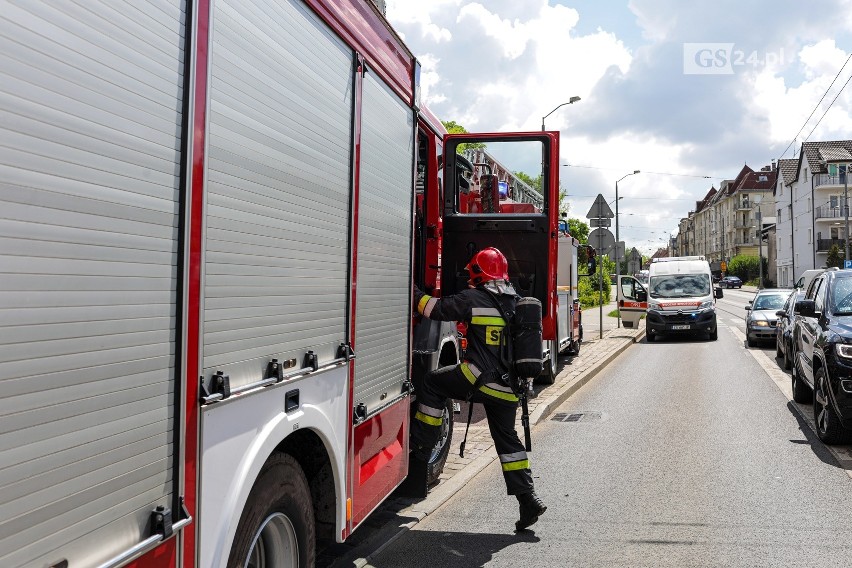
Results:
[90, 121]
[383, 310]
[277, 259]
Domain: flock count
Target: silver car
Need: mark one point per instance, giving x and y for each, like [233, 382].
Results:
[761, 319]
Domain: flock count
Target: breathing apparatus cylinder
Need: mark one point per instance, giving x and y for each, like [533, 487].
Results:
[526, 338]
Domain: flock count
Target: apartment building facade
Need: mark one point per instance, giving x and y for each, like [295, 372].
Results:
[816, 202]
[726, 222]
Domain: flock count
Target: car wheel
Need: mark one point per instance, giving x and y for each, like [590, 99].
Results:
[801, 392]
[714, 335]
[829, 428]
[649, 337]
[788, 357]
[751, 341]
[779, 353]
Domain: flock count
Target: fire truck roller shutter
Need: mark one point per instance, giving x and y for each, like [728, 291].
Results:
[276, 251]
[91, 122]
[383, 311]
[277, 230]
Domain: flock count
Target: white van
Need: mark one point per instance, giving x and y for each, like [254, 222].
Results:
[808, 275]
[679, 298]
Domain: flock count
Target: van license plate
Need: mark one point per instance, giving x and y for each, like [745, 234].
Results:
[680, 326]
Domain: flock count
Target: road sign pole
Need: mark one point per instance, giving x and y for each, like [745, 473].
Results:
[600, 267]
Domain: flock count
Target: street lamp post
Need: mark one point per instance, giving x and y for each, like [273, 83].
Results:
[572, 100]
[617, 258]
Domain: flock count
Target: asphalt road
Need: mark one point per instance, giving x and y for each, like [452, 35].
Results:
[682, 452]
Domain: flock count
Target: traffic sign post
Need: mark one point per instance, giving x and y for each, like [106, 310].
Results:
[599, 216]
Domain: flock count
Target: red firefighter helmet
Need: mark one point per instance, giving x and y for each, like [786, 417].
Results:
[487, 264]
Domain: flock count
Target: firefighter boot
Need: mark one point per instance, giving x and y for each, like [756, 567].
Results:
[415, 484]
[531, 508]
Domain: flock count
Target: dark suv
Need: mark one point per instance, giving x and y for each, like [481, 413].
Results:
[822, 370]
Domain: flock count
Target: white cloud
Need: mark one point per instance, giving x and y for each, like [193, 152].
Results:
[501, 65]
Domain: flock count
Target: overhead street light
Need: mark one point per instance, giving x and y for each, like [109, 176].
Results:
[572, 100]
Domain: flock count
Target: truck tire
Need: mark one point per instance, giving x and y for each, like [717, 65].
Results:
[438, 457]
[575, 347]
[277, 525]
[549, 369]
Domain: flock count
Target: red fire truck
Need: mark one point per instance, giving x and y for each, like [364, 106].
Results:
[212, 214]
[496, 188]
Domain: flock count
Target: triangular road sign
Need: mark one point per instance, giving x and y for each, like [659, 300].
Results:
[600, 209]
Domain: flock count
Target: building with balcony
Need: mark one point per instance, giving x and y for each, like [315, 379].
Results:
[818, 197]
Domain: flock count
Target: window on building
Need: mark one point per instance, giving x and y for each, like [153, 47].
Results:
[810, 234]
[805, 175]
[790, 212]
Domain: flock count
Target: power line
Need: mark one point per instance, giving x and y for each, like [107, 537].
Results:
[632, 198]
[832, 103]
[643, 171]
[793, 141]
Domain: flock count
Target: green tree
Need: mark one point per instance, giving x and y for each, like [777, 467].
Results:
[590, 291]
[454, 127]
[579, 230]
[533, 182]
[746, 267]
[835, 257]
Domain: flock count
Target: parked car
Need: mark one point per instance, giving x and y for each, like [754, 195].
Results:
[761, 318]
[731, 282]
[784, 329]
[822, 369]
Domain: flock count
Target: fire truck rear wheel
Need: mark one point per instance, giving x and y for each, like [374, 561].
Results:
[277, 524]
[441, 451]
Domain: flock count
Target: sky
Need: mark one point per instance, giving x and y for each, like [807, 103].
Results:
[685, 93]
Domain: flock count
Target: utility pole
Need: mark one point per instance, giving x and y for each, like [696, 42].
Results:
[759, 248]
[846, 208]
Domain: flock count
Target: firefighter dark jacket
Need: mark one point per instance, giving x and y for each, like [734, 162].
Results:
[485, 324]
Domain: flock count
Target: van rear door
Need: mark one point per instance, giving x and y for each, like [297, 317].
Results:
[501, 190]
[632, 301]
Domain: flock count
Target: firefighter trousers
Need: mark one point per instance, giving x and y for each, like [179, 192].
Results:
[501, 407]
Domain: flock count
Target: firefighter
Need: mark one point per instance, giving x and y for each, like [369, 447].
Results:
[481, 377]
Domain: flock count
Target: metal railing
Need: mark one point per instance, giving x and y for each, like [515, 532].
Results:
[825, 179]
[824, 245]
[828, 212]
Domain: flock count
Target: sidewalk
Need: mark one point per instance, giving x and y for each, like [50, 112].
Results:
[399, 514]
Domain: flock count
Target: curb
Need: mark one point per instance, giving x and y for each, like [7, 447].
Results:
[546, 407]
